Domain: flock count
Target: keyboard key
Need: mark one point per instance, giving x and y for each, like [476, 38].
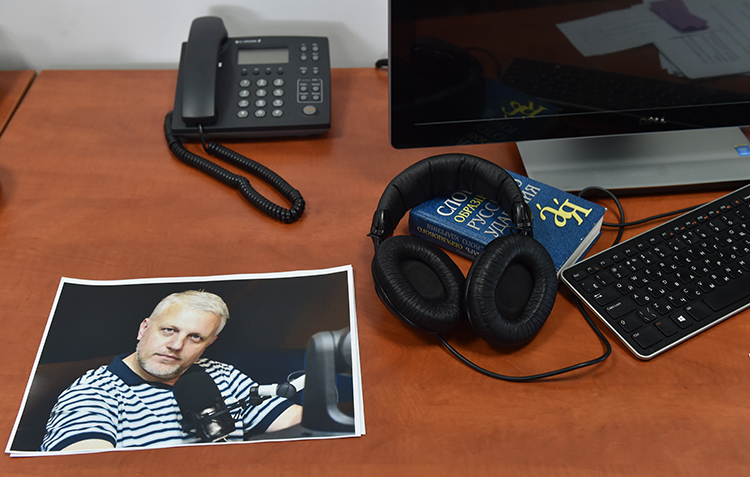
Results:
[624, 288]
[667, 327]
[647, 337]
[605, 278]
[590, 285]
[630, 322]
[605, 263]
[707, 285]
[729, 294]
[682, 319]
[594, 269]
[621, 307]
[608, 295]
[579, 275]
[698, 311]
[648, 314]
[641, 298]
[619, 272]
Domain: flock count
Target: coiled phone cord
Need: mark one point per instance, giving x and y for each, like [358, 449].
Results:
[238, 182]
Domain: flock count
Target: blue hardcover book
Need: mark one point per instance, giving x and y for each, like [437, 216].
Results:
[464, 223]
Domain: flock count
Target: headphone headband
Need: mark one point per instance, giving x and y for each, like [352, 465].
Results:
[444, 174]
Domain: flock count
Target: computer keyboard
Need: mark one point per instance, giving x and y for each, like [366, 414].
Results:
[666, 285]
[577, 88]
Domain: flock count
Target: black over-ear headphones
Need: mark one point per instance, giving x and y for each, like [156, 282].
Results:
[512, 284]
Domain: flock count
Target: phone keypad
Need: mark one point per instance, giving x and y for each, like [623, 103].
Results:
[308, 90]
[273, 92]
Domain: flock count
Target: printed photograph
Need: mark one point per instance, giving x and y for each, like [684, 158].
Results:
[169, 362]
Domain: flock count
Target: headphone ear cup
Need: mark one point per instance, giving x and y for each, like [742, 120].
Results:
[419, 283]
[510, 290]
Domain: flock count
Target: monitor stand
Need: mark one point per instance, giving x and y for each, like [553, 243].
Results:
[695, 158]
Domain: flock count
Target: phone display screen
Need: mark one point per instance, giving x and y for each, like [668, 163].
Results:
[262, 56]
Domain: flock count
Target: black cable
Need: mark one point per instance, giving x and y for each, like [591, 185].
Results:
[617, 204]
[535, 377]
[238, 182]
[608, 348]
[622, 224]
[653, 217]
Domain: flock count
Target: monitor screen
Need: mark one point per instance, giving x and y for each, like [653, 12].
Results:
[483, 71]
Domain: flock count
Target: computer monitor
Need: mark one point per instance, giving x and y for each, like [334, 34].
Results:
[616, 93]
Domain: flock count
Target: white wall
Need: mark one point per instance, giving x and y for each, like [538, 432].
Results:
[104, 34]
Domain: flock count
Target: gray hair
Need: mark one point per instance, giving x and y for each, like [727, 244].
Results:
[198, 300]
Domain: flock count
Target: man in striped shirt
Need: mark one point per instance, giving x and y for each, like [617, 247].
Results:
[130, 402]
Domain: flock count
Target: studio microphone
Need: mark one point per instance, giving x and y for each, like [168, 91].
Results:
[204, 412]
[261, 392]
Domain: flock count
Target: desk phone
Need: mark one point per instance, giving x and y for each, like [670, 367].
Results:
[233, 88]
[251, 86]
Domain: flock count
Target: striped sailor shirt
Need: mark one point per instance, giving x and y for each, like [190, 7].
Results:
[115, 404]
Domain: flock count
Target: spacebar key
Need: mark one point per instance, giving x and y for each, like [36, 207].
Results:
[726, 295]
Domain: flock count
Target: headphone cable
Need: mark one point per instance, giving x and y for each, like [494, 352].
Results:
[536, 377]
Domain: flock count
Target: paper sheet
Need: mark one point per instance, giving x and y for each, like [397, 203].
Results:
[617, 30]
[722, 48]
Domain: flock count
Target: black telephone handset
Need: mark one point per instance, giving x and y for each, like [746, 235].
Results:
[243, 88]
[198, 71]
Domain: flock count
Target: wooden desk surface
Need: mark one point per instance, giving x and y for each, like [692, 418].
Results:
[13, 85]
[88, 189]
